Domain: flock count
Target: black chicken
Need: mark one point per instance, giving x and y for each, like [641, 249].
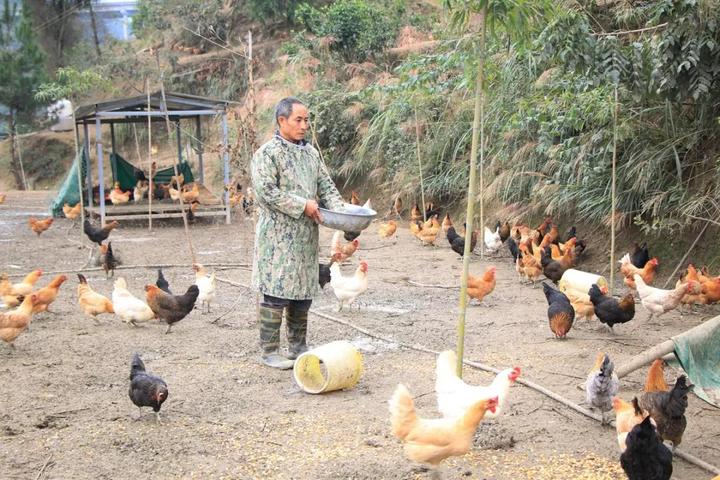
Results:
[431, 210]
[161, 283]
[640, 255]
[98, 235]
[350, 236]
[146, 390]
[513, 247]
[561, 313]
[646, 458]
[109, 262]
[569, 233]
[552, 269]
[324, 275]
[609, 310]
[668, 410]
[457, 243]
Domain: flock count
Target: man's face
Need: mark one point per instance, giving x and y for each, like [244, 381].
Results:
[294, 127]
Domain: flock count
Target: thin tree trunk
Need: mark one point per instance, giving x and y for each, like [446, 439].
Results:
[479, 98]
[61, 39]
[14, 163]
[93, 22]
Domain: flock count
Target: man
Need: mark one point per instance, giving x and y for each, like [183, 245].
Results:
[288, 176]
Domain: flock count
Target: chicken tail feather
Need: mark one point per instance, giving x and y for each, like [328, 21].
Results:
[402, 412]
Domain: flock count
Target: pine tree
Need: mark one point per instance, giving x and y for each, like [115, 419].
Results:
[22, 70]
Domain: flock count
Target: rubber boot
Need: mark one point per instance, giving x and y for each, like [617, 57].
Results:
[296, 324]
[270, 321]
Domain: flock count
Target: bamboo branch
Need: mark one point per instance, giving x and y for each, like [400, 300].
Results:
[627, 32]
[682, 260]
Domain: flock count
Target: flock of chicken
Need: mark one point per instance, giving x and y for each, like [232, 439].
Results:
[642, 424]
[160, 303]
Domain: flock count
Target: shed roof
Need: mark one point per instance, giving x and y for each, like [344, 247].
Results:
[124, 109]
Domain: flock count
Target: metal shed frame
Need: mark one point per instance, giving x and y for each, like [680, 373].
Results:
[136, 110]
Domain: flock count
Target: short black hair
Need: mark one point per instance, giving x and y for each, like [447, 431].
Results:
[284, 108]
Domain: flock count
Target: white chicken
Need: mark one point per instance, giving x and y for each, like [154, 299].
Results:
[347, 289]
[658, 301]
[129, 308]
[206, 286]
[454, 396]
[492, 240]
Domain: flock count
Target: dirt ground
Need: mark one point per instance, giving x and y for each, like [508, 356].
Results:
[65, 408]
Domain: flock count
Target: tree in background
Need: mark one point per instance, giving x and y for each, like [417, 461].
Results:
[21, 71]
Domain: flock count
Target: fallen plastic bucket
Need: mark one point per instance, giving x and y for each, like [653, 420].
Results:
[329, 367]
[579, 281]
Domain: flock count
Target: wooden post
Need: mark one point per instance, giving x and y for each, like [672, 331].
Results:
[179, 141]
[113, 160]
[98, 142]
[86, 148]
[226, 165]
[151, 189]
[198, 135]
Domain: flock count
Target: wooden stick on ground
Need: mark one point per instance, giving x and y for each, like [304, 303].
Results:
[42, 470]
[131, 267]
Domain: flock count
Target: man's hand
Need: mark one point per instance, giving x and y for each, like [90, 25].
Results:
[312, 211]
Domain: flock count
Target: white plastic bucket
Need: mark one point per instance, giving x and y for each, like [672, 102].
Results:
[580, 282]
[329, 367]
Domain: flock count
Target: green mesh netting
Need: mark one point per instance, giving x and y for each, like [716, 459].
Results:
[698, 351]
[69, 192]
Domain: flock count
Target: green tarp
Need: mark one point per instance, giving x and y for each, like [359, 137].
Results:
[124, 172]
[698, 351]
[69, 192]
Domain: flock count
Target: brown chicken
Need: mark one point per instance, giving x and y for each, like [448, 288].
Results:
[430, 441]
[627, 415]
[655, 381]
[387, 230]
[117, 196]
[92, 303]
[647, 273]
[446, 223]
[531, 268]
[354, 199]
[177, 180]
[14, 322]
[2, 197]
[415, 228]
[47, 295]
[398, 206]
[505, 232]
[171, 308]
[26, 286]
[545, 225]
[191, 195]
[428, 235]
[345, 250]
[71, 213]
[415, 213]
[711, 290]
[39, 226]
[480, 287]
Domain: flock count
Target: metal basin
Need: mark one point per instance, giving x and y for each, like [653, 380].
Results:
[353, 218]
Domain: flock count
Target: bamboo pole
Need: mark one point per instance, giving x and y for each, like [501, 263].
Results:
[645, 357]
[417, 151]
[479, 97]
[613, 194]
[175, 169]
[151, 187]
